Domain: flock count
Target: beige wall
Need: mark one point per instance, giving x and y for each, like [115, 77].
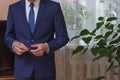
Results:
[4, 8]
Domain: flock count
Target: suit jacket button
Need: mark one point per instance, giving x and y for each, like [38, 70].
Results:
[32, 40]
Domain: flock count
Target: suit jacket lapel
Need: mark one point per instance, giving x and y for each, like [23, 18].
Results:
[23, 16]
[40, 12]
[42, 7]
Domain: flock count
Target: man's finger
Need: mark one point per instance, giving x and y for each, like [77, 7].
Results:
[34, 46]
[23, 47]
[19, 51]
[35, 51]
[20, 45]
[40, 53]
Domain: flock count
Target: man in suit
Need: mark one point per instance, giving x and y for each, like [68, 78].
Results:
[31, 26]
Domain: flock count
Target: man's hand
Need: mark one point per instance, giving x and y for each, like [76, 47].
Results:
[19, 48]
[39, 49]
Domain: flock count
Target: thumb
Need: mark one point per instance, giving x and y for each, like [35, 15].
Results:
[34, 46]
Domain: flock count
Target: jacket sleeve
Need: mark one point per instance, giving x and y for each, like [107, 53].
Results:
[61, 36]
[10, 33]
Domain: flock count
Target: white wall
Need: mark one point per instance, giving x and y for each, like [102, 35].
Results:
[4, 8]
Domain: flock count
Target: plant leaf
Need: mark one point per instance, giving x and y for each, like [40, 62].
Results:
[100, 78]
[112, 48]
[84, 51]
[78, 49]
[105, 51]
[112, 18]
[115, 41]
[99, 25]
[97, 58]
[107, 24]
[115, 73]
[119, 26]
[116, 66]
[87, 40]
[101, 43]
[75, 37]
[94, 50]
[92, 33]
[118, 30]
[111, 65]
[84, 32]
[99, 36]
[118, 54]
[91, 79]
[114, 36]
[108, 34]
[110, 27]
[101, 18]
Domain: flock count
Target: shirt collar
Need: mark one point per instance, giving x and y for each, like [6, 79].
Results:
[36, 3]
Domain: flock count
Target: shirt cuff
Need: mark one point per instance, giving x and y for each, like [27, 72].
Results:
[47, 51]
[13, 44]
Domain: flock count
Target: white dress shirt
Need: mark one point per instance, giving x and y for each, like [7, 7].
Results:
[36, 7]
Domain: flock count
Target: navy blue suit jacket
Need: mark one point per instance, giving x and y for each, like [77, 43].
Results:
[50, 20]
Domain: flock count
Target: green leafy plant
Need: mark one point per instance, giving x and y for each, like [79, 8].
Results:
[98, 78]
[105, 44]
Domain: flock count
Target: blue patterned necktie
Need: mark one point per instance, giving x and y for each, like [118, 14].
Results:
[31, 18]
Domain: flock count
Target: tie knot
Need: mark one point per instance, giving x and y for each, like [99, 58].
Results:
[31, 5]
